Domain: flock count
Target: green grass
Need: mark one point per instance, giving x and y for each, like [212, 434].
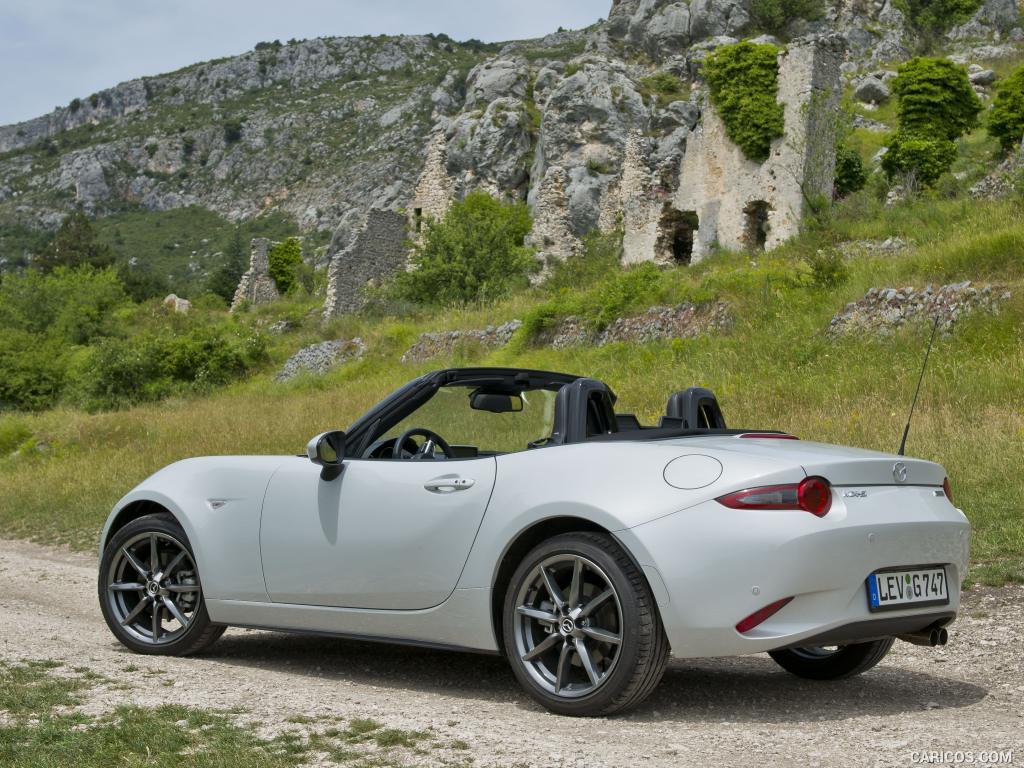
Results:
[775, 368]
[35, 733]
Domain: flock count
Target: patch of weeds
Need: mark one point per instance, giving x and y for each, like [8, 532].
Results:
[162, 737]
[27, 688]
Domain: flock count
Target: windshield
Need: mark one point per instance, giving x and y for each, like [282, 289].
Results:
[449, 414]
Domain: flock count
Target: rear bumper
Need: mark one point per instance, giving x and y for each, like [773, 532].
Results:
[710, 567]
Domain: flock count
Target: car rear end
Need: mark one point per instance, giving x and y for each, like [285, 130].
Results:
[848, 546]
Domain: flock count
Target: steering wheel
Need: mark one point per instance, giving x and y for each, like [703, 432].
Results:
[426, 451]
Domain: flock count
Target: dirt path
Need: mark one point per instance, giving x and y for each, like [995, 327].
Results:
[967, 696]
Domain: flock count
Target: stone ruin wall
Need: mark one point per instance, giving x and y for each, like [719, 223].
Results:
[378, 251]
[435, 189]
[726, 191]
[256, 285]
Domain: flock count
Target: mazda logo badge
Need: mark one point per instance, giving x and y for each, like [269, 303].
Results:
[899, 472]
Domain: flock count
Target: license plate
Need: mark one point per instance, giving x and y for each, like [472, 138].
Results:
[907, 587]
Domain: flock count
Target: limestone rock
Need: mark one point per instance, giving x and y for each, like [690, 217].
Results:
[431, 345]
[495, 79]
[178, 305]
[983, 78]
[871, 90]
[658, 323]
[318, 359]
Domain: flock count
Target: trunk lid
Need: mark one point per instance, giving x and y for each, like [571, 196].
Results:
[840, 465]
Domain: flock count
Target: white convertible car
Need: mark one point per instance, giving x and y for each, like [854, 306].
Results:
[515, 512]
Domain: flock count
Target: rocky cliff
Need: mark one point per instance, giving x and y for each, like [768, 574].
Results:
[598, 128]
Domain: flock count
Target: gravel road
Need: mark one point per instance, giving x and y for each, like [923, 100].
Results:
[966, 696]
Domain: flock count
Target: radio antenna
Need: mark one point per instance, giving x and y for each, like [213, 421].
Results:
[906, 430]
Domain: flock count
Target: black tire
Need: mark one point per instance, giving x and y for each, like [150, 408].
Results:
[188, 639]
[822, 664]
[631, 672]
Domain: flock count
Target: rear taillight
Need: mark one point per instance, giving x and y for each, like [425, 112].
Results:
[768, 436]
[947, 489]
[813, 495]
[761, 616]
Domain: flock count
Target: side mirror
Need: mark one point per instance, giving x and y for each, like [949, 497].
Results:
[328, 451]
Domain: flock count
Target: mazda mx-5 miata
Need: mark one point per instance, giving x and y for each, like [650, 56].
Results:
[516, 512]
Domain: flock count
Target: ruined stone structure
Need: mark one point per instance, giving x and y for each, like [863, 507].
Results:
[435, 189]
[256, 285]
[379, 250]
[552, 234]
[742, 204]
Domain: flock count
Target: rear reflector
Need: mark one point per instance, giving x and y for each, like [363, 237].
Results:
[813, 494]
[759, 617]
[768, 436]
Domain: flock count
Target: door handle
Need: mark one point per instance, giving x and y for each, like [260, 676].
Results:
[449, 484]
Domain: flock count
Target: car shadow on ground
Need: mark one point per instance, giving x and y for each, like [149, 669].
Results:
[751, 688]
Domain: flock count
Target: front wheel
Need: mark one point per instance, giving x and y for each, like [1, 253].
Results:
[832, 662]
[581, 629]
[150, 592]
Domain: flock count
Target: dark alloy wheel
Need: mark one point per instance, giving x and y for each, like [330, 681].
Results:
[581, 629]
[150, 592]
[833, 662]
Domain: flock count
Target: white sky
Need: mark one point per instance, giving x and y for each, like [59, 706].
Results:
[54, 50]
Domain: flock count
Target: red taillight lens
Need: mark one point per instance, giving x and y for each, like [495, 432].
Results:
[813, 495]
[761, 616]
[947, 489]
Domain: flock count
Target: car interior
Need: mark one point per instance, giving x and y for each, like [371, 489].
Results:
[583, 410]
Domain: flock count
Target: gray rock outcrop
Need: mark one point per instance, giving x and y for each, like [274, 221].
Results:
[318, 359]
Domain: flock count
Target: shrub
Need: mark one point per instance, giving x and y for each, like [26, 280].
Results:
[936, 106]
[774, 16]
[601, 257]
[925, 159]
[850, 175]
[743, 80]
[224, 280]
[31, 371]
[931, 18]
[285, 259]
[828, 268]
[665, 87]
[1006, 118]
[935, 98]
[476, 252]
[232, 131]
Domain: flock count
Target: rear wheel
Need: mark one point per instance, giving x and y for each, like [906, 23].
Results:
[150, 592]
[581, 629]
[832, 662]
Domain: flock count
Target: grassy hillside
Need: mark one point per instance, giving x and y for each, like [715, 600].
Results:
[775, 368]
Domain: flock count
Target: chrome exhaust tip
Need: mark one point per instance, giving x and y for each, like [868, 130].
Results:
[929, 638]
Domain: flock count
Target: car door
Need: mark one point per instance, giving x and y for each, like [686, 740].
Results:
[385, 534]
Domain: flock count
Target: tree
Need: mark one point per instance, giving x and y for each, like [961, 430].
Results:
[475, 253]
[850, 176]
[936, 107]
[285, 259]
[224, 280]
[75, 245]
[1006, 119]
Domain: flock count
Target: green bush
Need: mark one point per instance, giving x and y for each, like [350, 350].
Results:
[828, 268]
[224, 280]
[743, 80]
[285, 259]
[665, 87]
[475, 253]
[31, 371]
[850, 175]
[925, 159]
[931, 18]
[936, 106]
[774, 16]
[232, 131]
[935, 98]
[1006, 118]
